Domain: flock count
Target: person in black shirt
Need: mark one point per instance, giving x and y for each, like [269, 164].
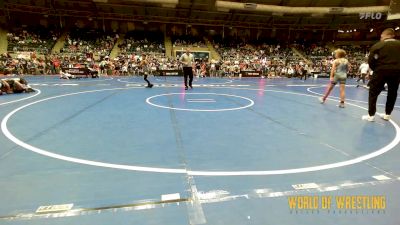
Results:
[384, 60]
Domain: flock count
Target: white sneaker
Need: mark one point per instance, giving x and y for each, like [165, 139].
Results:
[368, 118]
[321, 100]
[384, 116]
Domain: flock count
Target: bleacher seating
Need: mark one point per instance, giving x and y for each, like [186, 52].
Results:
[188, 41]
[143, 42]
[38, 40]
[89, 41]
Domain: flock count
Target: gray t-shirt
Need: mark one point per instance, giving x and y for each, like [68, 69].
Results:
[342, 67]
[187, 59]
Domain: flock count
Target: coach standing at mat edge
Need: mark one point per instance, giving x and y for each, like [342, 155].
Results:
[187, 59]
[384, 60]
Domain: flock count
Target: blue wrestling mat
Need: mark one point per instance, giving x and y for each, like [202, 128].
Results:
[229, 151]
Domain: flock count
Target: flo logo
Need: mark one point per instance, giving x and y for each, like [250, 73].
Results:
[372, 16]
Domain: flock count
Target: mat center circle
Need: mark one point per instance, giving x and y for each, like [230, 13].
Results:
[200, 102]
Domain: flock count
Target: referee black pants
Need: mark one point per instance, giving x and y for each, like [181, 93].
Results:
[304, 74]
[377, 85]
[145, 79]
[362, 77]
[188, 73]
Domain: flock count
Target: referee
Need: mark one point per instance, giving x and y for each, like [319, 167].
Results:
[187, 59]
[384, 60]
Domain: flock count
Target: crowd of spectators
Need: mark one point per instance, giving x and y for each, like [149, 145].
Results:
[49, 64]
[315, 50]
[271, 60]
[147, 42]
[188, 41]
[128, 64]
[355, 51]
[322, 57]
[132, 47]
[91, 49]
[34, 40]
[97, 43]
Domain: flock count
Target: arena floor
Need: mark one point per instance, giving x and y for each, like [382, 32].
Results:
[228, 152]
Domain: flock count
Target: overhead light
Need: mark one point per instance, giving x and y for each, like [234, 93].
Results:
[397, 28]
[340, 31]
[355, 30]
[145, 22]
[372, 29]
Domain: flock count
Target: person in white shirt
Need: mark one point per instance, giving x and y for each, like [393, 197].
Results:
[66, 76]
[125, 69]
[364, 67]
[213, 70]
[290, 71]
[187, 59]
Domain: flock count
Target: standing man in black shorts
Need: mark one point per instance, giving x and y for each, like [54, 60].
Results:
[187, 59]
[144, 66]
[384, 60]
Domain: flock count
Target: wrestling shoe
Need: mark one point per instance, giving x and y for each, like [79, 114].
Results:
[150, 86]
[341, 105]
[368, 118]
[384, 116]
[186, 88]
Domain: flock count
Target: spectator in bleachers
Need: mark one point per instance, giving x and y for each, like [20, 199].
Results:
[188, 41]
[89, 43]
[36, 40]
[138, 42]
